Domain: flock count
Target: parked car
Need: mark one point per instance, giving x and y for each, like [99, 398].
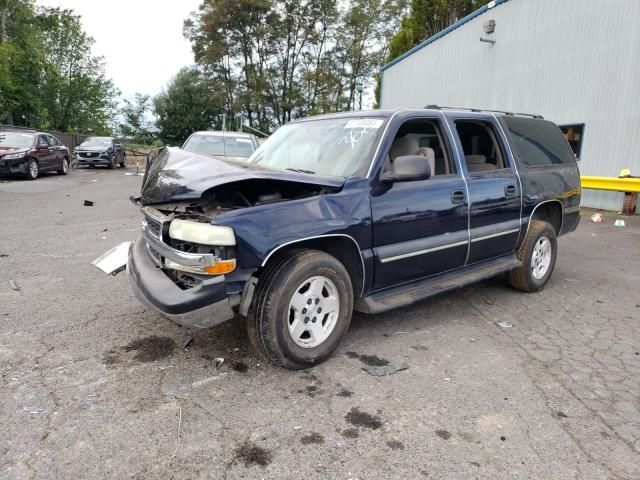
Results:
[104, 151]
[31, 153]
[366, 210]
[227, 145]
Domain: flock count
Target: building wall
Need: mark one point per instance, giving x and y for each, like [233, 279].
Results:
[573, 61]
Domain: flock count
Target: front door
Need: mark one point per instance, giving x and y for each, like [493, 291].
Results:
[420, 227]
[494, 188]
[44, 153]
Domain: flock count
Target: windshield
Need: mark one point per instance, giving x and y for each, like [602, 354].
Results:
[96, 142]
[335, 146]
[12, 139]
[221, 146]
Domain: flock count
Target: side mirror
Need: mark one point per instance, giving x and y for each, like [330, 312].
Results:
[409, 168]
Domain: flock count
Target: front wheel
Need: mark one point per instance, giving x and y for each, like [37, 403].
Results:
[538, 256]
[301, 309]
[123, 163]
[33, 170]
[112, 162]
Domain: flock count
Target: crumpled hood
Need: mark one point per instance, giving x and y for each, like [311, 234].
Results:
[176, 175]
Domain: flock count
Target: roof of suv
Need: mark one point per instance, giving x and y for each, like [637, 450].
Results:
[389, 112]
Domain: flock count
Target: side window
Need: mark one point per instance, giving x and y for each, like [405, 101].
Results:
[423, 137]
[482, 151]
[52, 141]
[42, 140]
[573, 134]
[539, 142]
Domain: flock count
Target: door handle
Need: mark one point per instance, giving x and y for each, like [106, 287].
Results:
[458, 196]
[510, 190]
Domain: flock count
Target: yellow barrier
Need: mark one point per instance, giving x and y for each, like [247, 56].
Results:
[625, 185]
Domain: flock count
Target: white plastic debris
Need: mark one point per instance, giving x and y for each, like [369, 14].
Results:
[619, 223]
[504, 324]
[597, 218]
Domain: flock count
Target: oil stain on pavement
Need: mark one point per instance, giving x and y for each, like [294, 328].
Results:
[363, 419]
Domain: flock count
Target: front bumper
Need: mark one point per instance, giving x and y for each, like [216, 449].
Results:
[12, 167]
[101, 159]
[203, 306]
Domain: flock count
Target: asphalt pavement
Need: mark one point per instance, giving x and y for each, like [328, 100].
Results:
[94, 385]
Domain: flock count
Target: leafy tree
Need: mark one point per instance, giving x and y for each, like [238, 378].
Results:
[48, 77]
[274, 61]
[136, 125]
[186, 106]
[75, 94]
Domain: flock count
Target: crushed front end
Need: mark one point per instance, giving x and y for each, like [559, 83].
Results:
[178, 267]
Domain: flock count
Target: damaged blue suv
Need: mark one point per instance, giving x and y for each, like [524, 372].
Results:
[366, 211]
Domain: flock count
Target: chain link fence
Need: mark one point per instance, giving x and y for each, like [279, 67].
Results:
[70, 140]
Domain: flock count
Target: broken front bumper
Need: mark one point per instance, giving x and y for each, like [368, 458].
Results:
[203, 306]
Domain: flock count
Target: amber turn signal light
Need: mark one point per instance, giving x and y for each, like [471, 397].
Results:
[221, 267]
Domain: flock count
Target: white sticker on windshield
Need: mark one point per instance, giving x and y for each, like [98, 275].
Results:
[364, 123]
[243, 140]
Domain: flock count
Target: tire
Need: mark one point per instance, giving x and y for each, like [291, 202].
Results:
[64, 170]
[112, 162]
[276, 325]
[33, 170]
[123, 163]
[538, 256]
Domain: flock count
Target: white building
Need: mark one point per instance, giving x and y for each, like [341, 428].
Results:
[576, 62]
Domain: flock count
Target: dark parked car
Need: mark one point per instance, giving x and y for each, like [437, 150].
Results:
[367, 210]
[30, 153]
[104, 151]
[227, 145]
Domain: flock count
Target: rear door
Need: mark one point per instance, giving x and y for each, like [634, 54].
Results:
[419, 227]
[493, 183]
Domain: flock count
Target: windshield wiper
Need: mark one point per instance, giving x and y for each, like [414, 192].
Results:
[300, 170]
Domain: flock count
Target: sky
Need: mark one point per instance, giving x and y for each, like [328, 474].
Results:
[140, 40]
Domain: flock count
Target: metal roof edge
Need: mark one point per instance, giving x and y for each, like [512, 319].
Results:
[442, 33]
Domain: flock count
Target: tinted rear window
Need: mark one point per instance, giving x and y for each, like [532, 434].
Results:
[539, 142]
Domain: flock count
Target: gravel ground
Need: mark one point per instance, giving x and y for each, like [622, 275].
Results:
[93, 385]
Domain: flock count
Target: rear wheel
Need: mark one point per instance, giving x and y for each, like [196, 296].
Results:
[33, 170]
[64, 167]
[301, 309]
[538, 256]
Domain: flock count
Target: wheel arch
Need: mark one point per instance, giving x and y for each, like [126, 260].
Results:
[343, 247]
[551, 211]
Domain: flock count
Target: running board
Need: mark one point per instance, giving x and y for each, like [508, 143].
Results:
[408, 293]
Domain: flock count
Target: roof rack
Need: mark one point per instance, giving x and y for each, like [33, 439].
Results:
[479, 110]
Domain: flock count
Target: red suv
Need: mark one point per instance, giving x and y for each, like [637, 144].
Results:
[29, 153]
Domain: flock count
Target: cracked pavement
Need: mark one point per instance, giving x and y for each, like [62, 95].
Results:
[94, 385]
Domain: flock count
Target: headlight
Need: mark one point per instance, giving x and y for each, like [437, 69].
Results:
[14, 156]
[202, 233]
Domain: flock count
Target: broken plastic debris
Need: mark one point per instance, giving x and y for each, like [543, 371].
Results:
[32, 409]
[88, 203]
[219, 362]
[187, 342]
[297, 427]
[14, 285]
[596, 218]
[504, 324]
[385, 370]
[619, 223]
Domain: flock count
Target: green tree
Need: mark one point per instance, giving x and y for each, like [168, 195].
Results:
[136, 125]
[21, 64]
[48, 76]
[75, 95]
[190, 103]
